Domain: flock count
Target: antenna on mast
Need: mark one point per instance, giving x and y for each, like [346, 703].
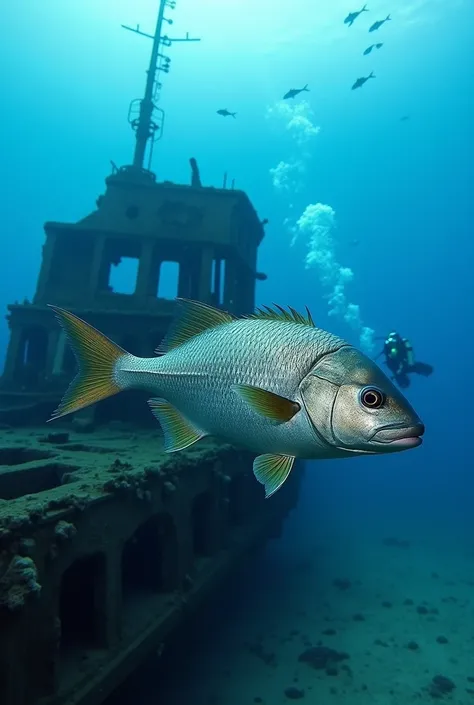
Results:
[146, 119]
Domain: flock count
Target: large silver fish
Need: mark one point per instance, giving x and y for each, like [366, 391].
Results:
[272, 382]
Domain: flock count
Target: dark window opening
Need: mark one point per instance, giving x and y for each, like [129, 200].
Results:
[32, 361]
[81, 608]
[203, 514]
[35, 347]
[217, 281]
[123, 275]
[149, 558]
[168, 280]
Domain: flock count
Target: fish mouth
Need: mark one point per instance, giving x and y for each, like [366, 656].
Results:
[400, 437]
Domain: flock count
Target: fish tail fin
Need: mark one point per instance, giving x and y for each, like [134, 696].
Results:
[97, 357]
[364, 9]
[372, 75]
[387, 18]
[306, 87]
[233, 114]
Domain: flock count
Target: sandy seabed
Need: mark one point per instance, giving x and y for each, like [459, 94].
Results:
[395, 611]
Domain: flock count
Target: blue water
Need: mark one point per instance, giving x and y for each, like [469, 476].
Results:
[401, 189]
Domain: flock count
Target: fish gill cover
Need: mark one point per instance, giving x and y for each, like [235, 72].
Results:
[314, 231]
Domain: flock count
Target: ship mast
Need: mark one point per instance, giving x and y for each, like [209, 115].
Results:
[146, 119]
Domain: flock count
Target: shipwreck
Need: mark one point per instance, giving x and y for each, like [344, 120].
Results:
[106, 542]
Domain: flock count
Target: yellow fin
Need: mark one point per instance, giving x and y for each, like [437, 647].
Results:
[193, 319]
[279, 314]
[96, 357]
[268, 404]
[179, 433]
[272, 470]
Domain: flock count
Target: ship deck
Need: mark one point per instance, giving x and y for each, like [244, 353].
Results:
[107, 545]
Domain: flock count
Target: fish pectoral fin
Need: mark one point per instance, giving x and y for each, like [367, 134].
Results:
[179, 433]
[268, 404]
[272, 470]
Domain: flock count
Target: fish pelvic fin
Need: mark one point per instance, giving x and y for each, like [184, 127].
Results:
[193, 318]
[179, 433]
[268, 404]
[272, 471]
[97, 358]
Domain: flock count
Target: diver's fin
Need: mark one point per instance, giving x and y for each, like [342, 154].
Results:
[96, 357]
[272, 470]
[179, 433]
[268, 404]
[422, 368]
[193, 318]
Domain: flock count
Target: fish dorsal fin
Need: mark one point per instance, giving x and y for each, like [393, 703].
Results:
[280, 314]
[193, 318]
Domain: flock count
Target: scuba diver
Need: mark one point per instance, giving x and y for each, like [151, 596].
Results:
[400, 359]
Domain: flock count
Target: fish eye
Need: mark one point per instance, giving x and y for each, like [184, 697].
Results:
[371, 397]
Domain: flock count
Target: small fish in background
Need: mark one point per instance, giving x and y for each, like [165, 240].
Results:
[354, 15]
[360, 81]
[379, 23]
[271, 381]
[373, 46]
[404, 118]
[225, 113]
[295, 91]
